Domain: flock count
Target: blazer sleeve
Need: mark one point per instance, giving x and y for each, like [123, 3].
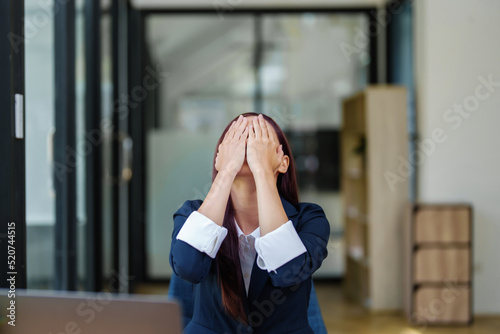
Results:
[186, 261]
[314, 230]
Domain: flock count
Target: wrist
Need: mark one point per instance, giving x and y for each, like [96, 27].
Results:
[227, 174]
[263, 175]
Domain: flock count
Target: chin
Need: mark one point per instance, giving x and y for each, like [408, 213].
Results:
[245, 171]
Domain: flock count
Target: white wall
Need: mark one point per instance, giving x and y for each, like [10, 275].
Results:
[457, 42]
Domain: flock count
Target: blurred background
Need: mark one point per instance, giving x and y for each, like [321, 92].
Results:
[125, 100]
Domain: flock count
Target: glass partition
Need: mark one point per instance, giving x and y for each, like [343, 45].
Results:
[40, 194]
[302, 75]
[210, 80]
[305, 75]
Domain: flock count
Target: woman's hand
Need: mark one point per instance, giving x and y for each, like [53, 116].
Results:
[231, 151]
[264, 152]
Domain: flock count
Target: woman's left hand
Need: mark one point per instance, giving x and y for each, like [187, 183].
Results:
[264, 152]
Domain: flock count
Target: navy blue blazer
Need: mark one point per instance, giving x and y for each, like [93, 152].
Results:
[277, 302]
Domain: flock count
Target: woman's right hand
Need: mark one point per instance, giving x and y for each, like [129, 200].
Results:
[231, 151]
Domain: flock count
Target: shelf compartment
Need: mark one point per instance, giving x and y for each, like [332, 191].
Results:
[438, 265]
[448, 304]
[441, 224]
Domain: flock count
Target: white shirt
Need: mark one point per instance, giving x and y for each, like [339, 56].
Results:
[273, 250]
[247, 253]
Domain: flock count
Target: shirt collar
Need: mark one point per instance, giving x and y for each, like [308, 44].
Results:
[255, 234]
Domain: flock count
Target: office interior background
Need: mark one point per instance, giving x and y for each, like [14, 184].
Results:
[124, 102]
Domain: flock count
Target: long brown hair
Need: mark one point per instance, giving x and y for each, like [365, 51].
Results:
[228, 261]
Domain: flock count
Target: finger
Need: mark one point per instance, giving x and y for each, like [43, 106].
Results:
[228, 132]
[235, 129]
[271, 133]
[263, 127]
[241, 128]
[281, 154]
[244, 134]
[251, 132]
[256, 128]
[248, 133]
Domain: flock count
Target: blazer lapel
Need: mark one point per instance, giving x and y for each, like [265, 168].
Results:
[259, 277]
[257, 281]
[290, 210]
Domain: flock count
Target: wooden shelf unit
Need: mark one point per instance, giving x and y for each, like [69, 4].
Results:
[374, 137]
[438, 275]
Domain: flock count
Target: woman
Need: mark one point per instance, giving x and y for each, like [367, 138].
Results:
[250, 246]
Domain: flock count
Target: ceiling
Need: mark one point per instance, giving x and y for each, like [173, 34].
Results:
[165, 4]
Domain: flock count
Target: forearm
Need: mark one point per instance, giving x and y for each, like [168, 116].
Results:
[214, 205]
[271, 212]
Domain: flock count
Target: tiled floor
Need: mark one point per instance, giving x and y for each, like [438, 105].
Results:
[343, 317]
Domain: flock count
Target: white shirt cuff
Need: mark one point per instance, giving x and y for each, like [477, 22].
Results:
[202, 233]
[278, 247]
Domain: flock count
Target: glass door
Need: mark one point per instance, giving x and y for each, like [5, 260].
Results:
[40, 131]
[69, 105]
